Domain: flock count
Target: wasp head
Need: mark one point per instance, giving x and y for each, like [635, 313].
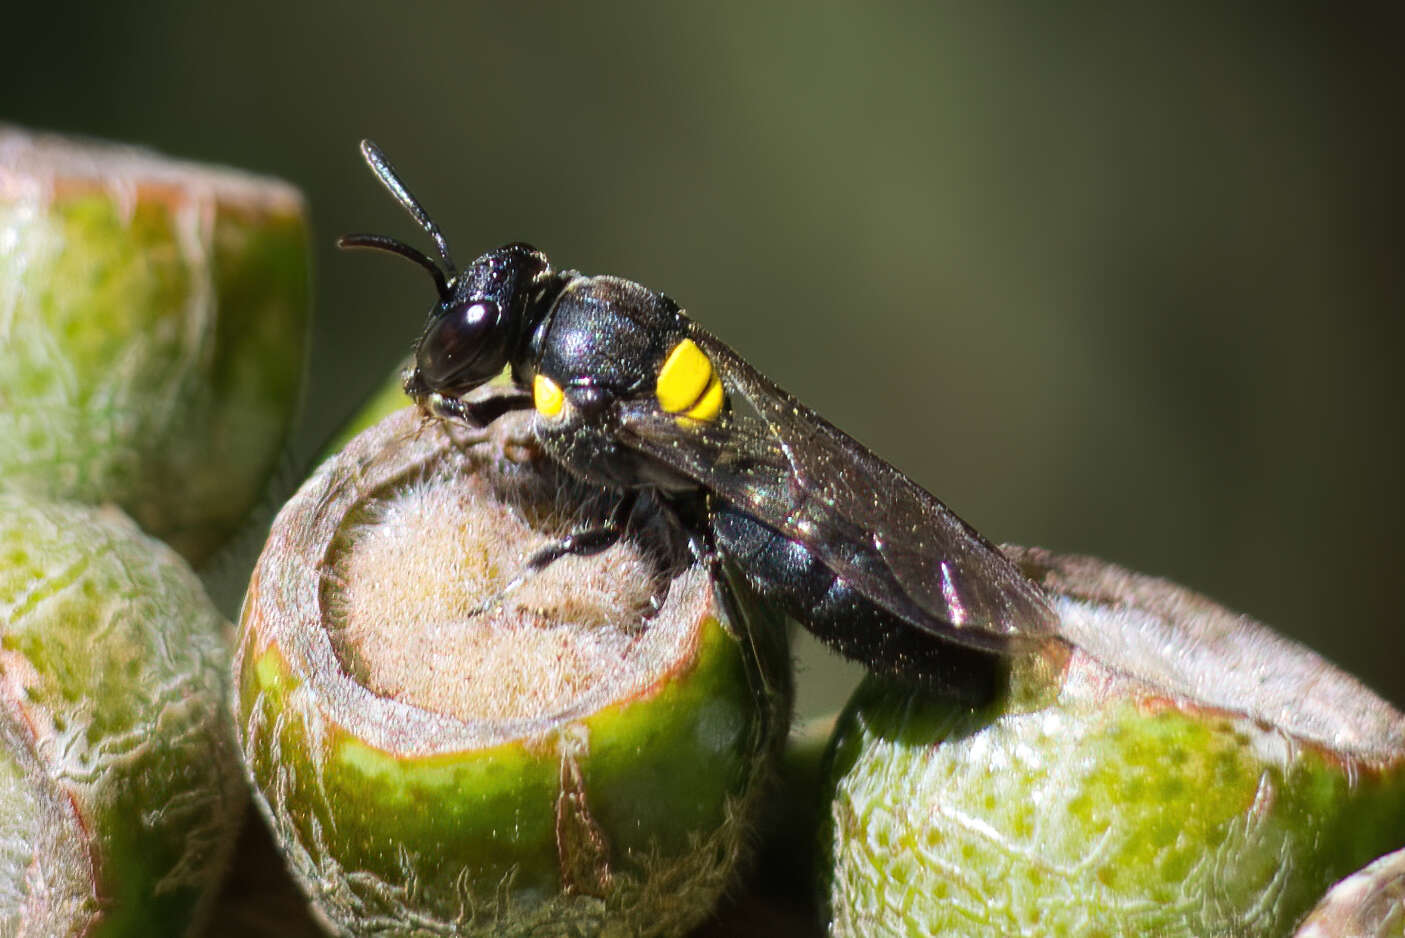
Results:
[479, 323]
[482, 316]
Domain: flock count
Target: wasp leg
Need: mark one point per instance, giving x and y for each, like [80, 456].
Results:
[588, 541]
[478, 413]
[692, 518]
[580, 543]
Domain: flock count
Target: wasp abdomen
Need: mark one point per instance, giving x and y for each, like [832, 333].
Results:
[788, 575]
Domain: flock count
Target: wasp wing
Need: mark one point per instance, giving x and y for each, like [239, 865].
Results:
[890, 539]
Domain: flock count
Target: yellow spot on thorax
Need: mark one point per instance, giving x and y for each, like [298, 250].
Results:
[547, 396]
[688, 385]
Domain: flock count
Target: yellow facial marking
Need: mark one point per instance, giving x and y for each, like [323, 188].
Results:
[547, 396]
[688, 385]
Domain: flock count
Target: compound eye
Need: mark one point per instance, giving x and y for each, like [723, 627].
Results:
[462, 346]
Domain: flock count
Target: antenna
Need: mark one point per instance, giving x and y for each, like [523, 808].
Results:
[391, 180]
[372, 242]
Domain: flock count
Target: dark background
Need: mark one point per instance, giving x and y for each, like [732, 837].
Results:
[1109, 282]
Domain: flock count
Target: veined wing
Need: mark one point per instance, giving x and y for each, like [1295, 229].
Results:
[889, 538]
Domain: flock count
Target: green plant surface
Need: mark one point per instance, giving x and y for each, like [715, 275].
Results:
[117, 751]
[154, 333]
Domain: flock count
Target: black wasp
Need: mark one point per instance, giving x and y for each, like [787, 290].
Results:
[632, 395]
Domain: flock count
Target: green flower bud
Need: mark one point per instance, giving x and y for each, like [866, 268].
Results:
[1171, 769]
[120, 792]
[153, 324]
[444, 742]
[1369, 903]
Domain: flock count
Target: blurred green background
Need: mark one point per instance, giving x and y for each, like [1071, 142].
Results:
[1111, 282]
